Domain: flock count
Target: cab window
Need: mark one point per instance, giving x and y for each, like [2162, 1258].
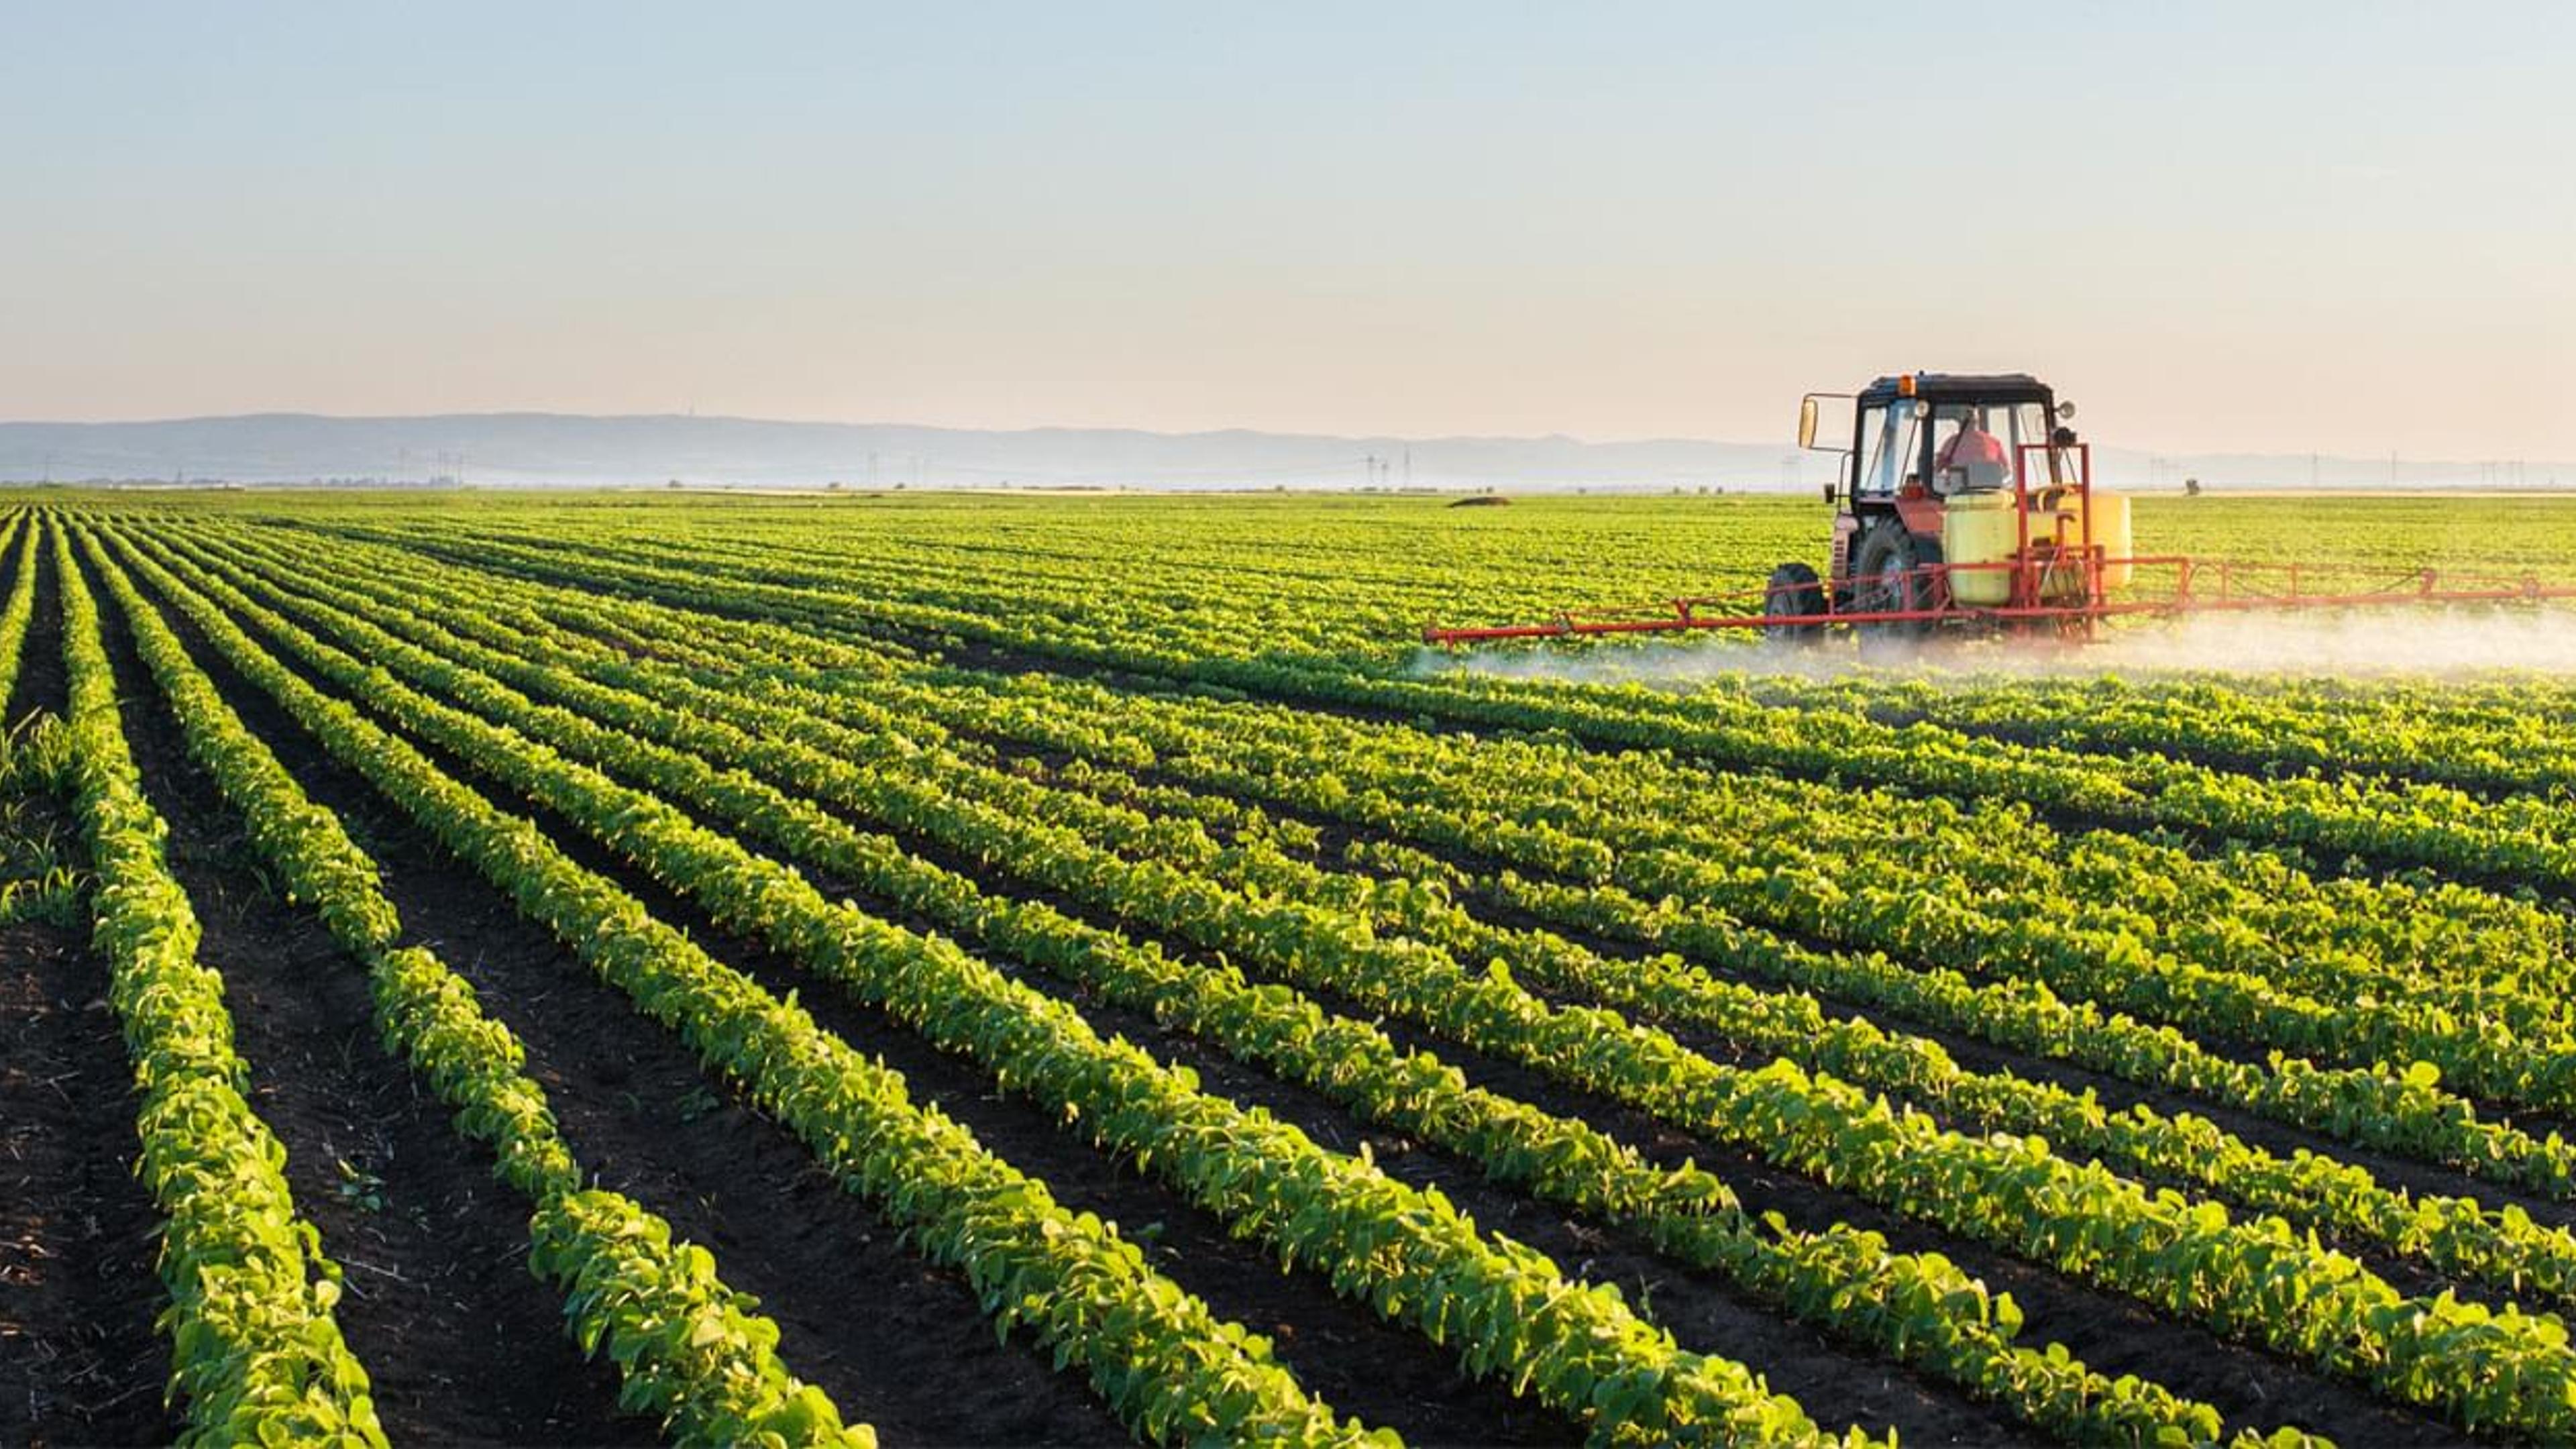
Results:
[1977, 446]
[1889, 448]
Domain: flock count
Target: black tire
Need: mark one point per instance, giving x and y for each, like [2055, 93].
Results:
[1894, 569]
[1795, 590]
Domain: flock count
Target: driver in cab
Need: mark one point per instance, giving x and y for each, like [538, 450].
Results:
[1972, 459]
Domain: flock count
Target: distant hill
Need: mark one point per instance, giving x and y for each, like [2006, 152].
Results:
[539, 448]
[567, 449]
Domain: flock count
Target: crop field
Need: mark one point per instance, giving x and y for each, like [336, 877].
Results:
[1026, 970]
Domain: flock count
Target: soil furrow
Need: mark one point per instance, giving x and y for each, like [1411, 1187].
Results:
[80, 1362]
[40, 683]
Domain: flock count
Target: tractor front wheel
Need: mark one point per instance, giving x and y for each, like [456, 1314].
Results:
[1895, 570]
[1795, 590]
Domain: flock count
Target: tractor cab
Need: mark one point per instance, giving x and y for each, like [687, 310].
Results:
[1949, 481]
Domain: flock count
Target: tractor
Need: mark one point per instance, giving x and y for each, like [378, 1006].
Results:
[1963, 500]
[1965, 504]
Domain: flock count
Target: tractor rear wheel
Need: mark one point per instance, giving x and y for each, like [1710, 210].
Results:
[1795, 590]
[1895, 570]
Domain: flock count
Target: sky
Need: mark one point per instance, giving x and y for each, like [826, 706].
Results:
[2347, 228]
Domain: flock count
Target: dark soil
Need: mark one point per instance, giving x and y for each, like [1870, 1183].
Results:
[40, 666]
[79, 1360]
[897, 1342]
[460, 1341]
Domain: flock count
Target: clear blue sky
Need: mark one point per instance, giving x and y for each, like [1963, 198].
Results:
[2349, 227]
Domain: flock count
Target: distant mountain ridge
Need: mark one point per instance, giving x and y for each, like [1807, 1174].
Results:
[533, 449]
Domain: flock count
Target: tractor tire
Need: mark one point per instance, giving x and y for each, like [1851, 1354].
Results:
[1795, 590]
[1886, 577]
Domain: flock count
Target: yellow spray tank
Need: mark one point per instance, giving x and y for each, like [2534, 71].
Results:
[2110, 532]
[1978, 528]
[1981, 528]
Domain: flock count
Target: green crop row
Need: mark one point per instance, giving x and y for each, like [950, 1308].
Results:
[2430, 826]
[1155, 1353]
[2506, 1249]
[1409, 1254]
[1732, 732]
[2394, 1108]
[691, 1352]
[2390, 1107]
[256, 1355]
[1913, 1307]
[2252, 1278]
[2273, 920]
[2524, 753]
[20, 611]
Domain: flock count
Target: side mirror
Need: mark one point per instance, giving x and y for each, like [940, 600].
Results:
[1806, 422]
[1833, 493]
[2066, 412]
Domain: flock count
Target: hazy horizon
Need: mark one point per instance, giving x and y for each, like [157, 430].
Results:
[1782, 443]
[511, 449]
[2219, 229]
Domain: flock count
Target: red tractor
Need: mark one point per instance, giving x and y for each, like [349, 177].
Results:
[1962, 500]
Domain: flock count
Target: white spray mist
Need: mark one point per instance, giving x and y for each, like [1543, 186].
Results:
[2329, 644]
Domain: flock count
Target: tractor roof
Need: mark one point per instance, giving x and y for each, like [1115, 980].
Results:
[1963, 387]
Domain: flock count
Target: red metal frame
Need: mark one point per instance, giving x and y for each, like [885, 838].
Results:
[2366, 586]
